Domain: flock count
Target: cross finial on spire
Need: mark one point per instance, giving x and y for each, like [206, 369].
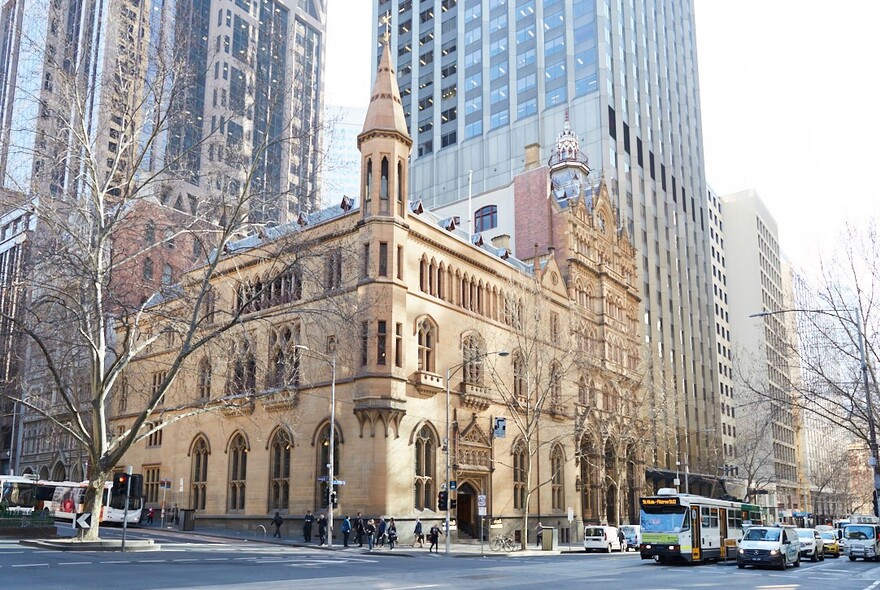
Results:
[385, 19]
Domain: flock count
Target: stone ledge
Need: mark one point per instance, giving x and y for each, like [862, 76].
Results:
[76, 545]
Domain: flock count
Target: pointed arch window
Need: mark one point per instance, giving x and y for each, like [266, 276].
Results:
[520, 387]
[279, 471]
[244, 369]
[557, 478]
[368, 181]
[238, 453]
[199, 474]
[519, 476]
[400, 183]
[583, 392]
[555, 386]
[425, 476]
[284, 358]
[426, 338]
[473, 358]
[203, 385]
[148, 269]
[383, 185]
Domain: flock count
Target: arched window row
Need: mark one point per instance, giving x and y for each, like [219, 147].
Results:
[284, 357]
[260, 294]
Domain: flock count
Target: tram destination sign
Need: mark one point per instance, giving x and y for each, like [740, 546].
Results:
[660, 502]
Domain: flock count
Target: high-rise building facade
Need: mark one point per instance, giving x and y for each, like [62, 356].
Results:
[233, 88]
[482, 79]
[766, 442]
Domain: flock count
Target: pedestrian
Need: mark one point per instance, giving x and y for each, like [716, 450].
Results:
[176, 515]
[370, 532]
[150, 514]
[346, 530]
[539, 533]
[391, 531]
[359, 529]
[322, 530]
[434, 538]
[622, 538]
[418, 535]
[308, 520]
[277, 521]
[380, 532]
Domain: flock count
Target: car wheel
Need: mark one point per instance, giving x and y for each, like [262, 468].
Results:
[798, 562]
[782, 564]
[741, 566]
[852, 558]
[822, 556]
[814, 557]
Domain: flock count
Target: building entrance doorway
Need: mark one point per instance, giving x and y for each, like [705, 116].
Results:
[466, 511]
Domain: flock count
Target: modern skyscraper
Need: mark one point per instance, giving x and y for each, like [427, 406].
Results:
[234, 88]
[482, 79]
[757, 282]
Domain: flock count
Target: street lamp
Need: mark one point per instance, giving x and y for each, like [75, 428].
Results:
[331, 359]
[449, 373]
[872, 433]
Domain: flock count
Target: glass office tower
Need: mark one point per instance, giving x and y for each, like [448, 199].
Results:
[481, 79]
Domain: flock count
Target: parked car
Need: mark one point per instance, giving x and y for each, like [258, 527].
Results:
[633, 534]
[777, 546]
[601, 538]
[832, 543]
[812, 544]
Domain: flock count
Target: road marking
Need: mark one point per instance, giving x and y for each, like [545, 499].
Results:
[30, 565]
[872, 586]
[185, 559]
[74, 563]
[414, 587]
[217, 559]
[151, 560]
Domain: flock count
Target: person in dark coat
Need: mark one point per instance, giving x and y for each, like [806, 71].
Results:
[370, 532]
[346, 530]
[322, 530]
[359, 530]
[434, 538]
[391, 531]
[308, 521]
[380, 532]
[418, 535]
[277, 521]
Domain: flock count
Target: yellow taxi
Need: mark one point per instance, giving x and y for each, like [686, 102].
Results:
[832, 544]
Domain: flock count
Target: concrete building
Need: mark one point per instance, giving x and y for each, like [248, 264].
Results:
[234, 90]
[766, 451]
[440, 304]
[482, 79]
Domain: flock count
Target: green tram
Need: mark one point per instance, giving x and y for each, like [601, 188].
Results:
[695, 529]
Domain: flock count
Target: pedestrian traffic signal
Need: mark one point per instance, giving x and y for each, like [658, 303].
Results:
[453, 503]
[334, 498]
[442, 499]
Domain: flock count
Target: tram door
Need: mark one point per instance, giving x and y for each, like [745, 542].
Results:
[696, 545]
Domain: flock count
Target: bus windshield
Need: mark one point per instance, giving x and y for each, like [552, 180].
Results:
[17, 494]
[666, 521]
[859, 532]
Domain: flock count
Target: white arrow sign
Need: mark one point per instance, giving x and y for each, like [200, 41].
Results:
[84, 520]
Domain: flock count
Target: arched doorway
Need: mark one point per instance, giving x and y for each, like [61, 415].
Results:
[59, 473]
[466, 511]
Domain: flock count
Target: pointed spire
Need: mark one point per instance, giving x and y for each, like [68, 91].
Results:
[385, 112]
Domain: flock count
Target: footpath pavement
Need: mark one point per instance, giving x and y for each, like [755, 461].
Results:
[463, 549]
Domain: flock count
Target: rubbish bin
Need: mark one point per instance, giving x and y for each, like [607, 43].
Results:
[187, 519]
[549, 539]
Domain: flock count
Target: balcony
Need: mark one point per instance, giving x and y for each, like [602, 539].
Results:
[427, 384]
[474, 396]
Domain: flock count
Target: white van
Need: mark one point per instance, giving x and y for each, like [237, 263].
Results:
[602, 538]
[862, 540]
[769, 545]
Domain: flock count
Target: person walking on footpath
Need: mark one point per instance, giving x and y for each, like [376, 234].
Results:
[391, 531]
[322, 530]
[359, 530]
[380, 532]
[345, 527]
[307, 526]
[370, 532]
[539, 533]
[434, 538]
[277, 521]
[150, 514]
[418, 535]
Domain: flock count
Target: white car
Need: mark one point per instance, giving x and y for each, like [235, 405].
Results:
[602, 538]
[812, 544]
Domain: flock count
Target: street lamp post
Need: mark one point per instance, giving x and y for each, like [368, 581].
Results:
[863, 362]
[450, 371]
[331, 359]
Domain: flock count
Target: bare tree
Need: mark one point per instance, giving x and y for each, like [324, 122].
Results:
[130, 176]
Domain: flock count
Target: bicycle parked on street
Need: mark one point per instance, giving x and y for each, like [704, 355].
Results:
[503, 543]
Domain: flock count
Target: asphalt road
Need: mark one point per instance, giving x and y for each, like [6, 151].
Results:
[213, 563]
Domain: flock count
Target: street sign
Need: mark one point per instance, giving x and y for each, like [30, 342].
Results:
[481, 511]
[500, 429]
[570, 514]
[336, 482]
[165, 484]
[481, 501]
[180, 489]
[452, 485]
[83, 520]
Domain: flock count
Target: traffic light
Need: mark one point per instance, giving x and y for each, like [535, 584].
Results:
[137, 485]
[453, 503]
[442, 499]
[120, 484]
[334, 498]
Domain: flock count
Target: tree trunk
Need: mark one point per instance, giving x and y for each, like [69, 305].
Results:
[92, 503]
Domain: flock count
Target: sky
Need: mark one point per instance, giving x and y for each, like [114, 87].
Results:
[789, 97]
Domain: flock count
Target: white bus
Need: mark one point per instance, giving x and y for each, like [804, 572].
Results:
[694, 529]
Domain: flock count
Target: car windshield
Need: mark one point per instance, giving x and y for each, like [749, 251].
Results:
[756, 534]
[663, 522]
[859, 533]
[830, 536]
[805, 533]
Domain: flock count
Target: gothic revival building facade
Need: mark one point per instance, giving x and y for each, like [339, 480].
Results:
[420, 332]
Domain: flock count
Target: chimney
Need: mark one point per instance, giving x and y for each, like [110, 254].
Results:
[502, 241]
[533, 155]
